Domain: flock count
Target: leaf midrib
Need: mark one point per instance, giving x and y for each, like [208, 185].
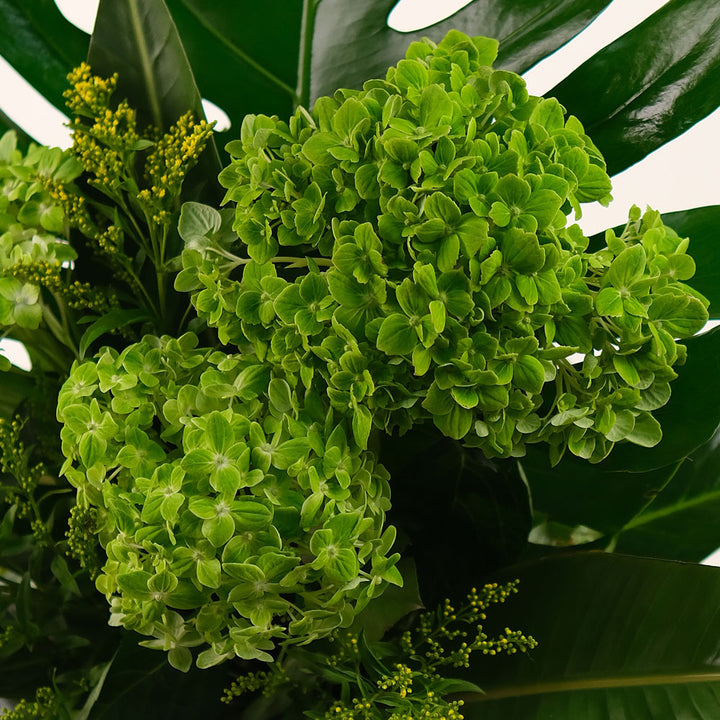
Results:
[144, 56]
[677, 507]
[596, 683]
[238, 52]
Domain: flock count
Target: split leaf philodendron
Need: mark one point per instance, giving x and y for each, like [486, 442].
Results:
[429, 274]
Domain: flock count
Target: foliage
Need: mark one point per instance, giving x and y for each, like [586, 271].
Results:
[402, 677]
[395, 258]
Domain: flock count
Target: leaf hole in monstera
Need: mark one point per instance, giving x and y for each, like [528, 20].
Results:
[80, 13]
[412, 15]
[215, 113]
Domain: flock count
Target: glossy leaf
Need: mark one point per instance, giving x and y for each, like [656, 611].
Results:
[140, 42]
[252, 48]
[619, 637]
[576, 494]
[680, 522]
[651, 84]
[527, 30]
[480, 520]
[37, 40]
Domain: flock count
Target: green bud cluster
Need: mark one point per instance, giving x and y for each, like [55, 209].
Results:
[17, 467]
[81, 538]
[401, 677]
[236, 511]
[32, 225]
[45, 706]
[429, 268]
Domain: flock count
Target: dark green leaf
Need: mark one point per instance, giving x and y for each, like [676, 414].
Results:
[619, 637]
[140, 42]
[680, 521]
[480, 522]
[226, 41]
[528, 30]
[576, 493]
[700, 225]
[651, 84]
[113, 320]
[37, 40]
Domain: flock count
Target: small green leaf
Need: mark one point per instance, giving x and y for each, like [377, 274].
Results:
[529, 374]
[627, 267]
[626, 369]
[396, 336]
[218, 530]
[646, 432]
[609, 302]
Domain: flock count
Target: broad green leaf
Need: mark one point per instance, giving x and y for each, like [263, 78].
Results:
[37, 40]
[226, 41]
[261, 44]
[620, 637]
[140, 42]
[142, 678]
[679, 520]
[576, 493]
[651, 84]
[527, 30]
[480, 523]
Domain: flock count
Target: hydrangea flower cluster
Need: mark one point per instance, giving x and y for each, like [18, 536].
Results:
[232, 514]
[32, 227]
[428, 273]
[429, 268]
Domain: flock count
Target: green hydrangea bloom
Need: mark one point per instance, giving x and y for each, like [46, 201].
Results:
[234, 512]
[429, 267]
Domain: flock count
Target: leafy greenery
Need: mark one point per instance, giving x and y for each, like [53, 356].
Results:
[240, 415]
